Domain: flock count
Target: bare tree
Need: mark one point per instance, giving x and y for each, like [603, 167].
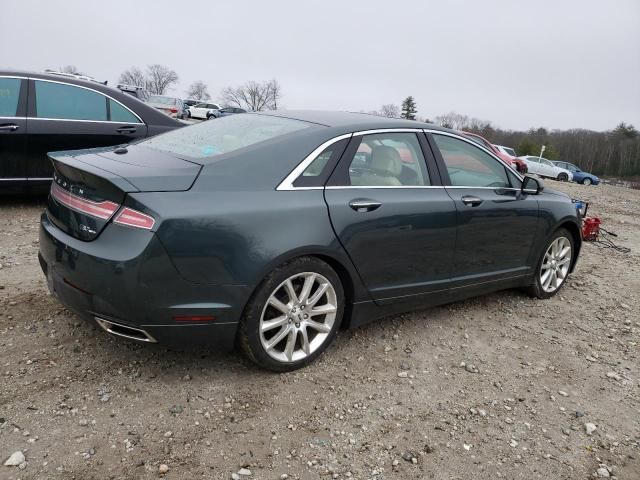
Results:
[254, 96]
[159, 78]
[390, 110]
[133, 76]
[198, 91]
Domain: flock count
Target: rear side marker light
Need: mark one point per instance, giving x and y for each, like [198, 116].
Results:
[103, 210]
[194, 318]
[133, 218]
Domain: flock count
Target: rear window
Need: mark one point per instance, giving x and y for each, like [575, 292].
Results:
[162, 100]
[209, 139]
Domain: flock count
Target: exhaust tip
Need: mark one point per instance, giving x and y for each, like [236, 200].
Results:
[125, 331]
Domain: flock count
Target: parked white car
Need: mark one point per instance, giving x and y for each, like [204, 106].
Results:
[545, 168]
[204, 110]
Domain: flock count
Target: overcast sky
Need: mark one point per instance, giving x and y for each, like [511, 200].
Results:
[552, 63]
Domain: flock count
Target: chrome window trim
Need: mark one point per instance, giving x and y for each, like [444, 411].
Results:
[78, 120]
[22, 179]
[470, 142]
[20, 77]
[91, 90]
[387, 130]
[287, 183]
[385, 187]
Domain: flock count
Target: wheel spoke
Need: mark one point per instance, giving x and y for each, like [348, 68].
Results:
[318, 294]
[306, 288]
[564, 261]
[275, 303]
[320, 327]
[291, 343]
[564, 251]
[323, 310]
[278, 337]
[544, 278]
[293, 296]
[273, 323]
[306, 347]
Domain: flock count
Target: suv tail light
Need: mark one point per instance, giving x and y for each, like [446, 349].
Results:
[133, 218]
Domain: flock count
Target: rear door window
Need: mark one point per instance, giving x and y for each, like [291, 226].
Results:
[69, 102]
[469, 166]
[387, 160]
[9, 96]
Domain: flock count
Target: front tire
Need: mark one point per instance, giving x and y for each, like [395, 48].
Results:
[587, 181]
[563, 177]
[293, 316]
[554, 265]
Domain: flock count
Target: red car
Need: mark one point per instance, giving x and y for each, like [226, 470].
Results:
[518, 164]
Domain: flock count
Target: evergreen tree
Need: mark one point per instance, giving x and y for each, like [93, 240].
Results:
[409, 109]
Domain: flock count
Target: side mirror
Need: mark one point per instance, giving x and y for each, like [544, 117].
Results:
[532, 185]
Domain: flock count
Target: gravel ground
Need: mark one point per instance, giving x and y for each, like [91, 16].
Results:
[502, 386]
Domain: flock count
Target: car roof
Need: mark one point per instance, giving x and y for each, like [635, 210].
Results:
[149, 114]
[351, 120]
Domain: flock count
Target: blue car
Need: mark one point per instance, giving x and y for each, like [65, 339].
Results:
[578, 175]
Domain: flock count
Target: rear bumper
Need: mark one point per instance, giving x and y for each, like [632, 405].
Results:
[126, 278]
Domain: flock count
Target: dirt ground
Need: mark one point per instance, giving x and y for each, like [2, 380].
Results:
[502, 386]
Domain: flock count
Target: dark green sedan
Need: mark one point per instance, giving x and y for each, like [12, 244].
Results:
[271, 231]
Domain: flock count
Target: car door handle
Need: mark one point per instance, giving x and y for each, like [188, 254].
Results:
[126, 130]
[471, 201]
[11, 128]
[364, 205]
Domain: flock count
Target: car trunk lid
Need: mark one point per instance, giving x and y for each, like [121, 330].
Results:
[89, 186]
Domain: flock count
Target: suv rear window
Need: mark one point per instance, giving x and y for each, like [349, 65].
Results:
[226, 134]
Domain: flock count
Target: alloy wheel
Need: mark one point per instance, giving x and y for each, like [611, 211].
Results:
[555, 264]
[298, 317]
[586, 181]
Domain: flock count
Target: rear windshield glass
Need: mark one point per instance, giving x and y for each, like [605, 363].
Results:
[223, 135]
[162, 100]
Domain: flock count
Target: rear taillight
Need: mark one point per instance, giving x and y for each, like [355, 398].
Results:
[103, 210]
[173, 110]
[133, 218]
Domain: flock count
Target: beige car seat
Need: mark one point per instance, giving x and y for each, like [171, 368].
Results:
[385, 168]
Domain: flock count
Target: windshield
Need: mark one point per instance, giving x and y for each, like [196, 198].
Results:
[209, 139]
[162, 100]
[510, 151]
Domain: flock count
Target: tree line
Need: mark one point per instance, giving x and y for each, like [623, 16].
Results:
[614, 153]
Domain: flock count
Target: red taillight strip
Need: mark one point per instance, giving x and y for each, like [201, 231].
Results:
[103, 210]
[133, 218]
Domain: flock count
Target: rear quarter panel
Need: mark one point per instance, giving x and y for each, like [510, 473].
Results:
[237, 238]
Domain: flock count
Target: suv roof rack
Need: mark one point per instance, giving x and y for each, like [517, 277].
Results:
[77, 76]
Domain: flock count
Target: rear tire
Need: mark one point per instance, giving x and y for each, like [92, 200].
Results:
[293, 316]
[552, 269]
